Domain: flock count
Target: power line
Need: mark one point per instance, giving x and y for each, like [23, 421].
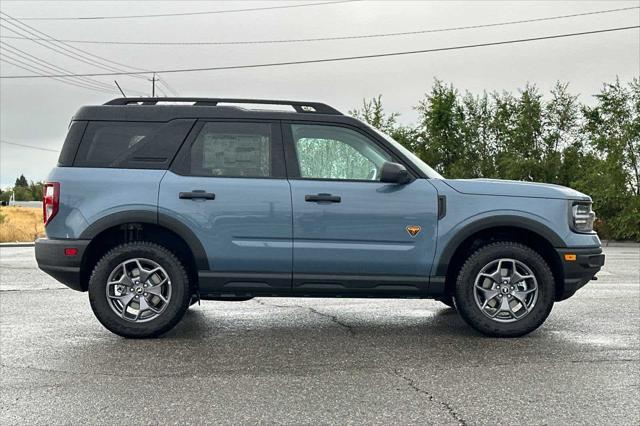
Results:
[336, 38]
[171, 90]
[42, 63]
[9, 58]
[161, 15]
[41, 70]
[30, 146]
[54, 47]
[347, 58]
[65, 81]
[161, 90]
[67, 49]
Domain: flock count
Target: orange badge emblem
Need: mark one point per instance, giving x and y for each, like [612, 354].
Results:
[413, 230]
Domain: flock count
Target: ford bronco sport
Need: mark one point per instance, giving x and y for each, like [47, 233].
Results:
[157, 203]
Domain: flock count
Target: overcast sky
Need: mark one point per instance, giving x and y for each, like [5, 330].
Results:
[37, 111]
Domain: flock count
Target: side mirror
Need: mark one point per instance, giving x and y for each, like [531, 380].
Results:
[394, 173]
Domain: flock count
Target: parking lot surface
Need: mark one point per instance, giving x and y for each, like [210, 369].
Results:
[319, 361]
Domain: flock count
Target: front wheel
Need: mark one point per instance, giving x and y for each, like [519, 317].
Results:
[505, 289]
[139, 289]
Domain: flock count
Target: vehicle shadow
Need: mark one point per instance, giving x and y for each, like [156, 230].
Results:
[279, 337]
[200, 324]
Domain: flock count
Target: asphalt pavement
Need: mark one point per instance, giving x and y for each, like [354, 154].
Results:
[319, 361]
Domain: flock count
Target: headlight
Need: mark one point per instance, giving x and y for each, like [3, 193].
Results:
[582, 217]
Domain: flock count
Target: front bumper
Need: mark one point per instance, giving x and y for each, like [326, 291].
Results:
[51, 258]
[578, 272]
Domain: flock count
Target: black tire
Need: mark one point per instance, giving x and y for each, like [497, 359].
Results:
[472, 313]
[172, 313]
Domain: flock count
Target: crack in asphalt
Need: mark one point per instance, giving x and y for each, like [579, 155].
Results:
[333, 318]
[448, 408]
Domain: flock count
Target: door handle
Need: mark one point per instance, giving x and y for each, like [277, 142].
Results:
[327, 198]
[197, 194]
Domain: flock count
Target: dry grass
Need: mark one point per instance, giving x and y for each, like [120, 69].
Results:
[20, 224]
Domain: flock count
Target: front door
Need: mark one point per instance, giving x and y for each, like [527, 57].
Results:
[353, 234]
[228, 186]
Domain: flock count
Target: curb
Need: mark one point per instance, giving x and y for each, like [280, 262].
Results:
[18, 244]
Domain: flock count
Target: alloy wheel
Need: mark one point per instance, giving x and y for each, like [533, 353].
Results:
[505, 290]
[138, 290]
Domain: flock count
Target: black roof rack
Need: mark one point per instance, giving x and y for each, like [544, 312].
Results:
[301, 107]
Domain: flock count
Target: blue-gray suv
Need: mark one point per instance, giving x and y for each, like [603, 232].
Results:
[157, 203]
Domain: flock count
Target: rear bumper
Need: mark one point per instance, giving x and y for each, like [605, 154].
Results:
[580, 271]
[51, 258]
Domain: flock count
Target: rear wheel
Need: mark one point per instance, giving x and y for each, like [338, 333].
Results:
[505, 289]
[139, 290]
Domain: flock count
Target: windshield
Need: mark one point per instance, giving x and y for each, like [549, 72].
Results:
[415, 160]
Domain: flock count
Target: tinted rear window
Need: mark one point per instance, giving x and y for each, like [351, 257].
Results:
[147, 145]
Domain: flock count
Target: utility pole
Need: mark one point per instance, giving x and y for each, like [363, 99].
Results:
[153, 85]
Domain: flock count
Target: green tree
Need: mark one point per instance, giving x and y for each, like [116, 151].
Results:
[22, 182]
[476, 137]
[612, 128]
[440, 131]
[555, 139]
[372, 112]
[22, 193]
[517, 128]
[36, 190]
[561, 136]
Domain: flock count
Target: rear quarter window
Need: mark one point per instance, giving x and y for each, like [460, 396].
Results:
[132, 145]
[71, 143]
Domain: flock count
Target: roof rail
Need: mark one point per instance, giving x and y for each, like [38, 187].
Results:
[301, 107]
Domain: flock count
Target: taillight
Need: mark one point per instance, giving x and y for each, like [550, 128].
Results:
[50, 200]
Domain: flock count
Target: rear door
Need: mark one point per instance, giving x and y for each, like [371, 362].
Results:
[228, 186]
[353, 234]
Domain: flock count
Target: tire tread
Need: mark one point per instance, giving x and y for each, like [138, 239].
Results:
[133, 330]
[518, 328]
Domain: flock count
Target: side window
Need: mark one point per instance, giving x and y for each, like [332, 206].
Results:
[331, 152]
[129, 145]
[232, 150]
[105, 142]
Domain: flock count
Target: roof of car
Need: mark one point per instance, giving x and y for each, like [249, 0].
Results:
[165, 109]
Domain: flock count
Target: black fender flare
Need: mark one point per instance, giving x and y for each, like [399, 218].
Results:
[154, 218]
[502, 220]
